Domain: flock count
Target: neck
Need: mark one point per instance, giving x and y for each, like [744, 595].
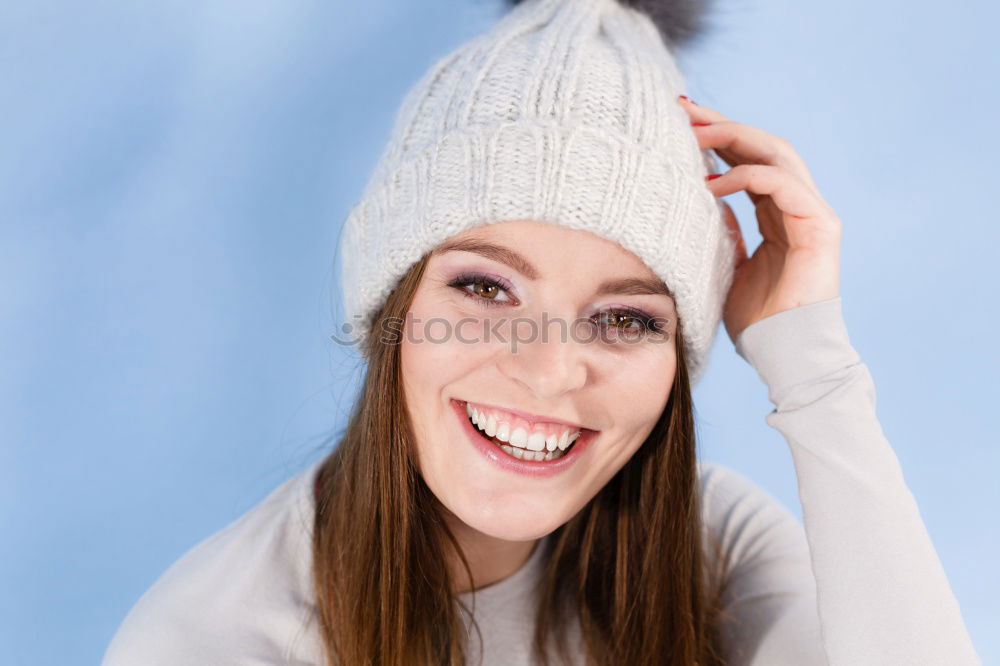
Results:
[490, 559]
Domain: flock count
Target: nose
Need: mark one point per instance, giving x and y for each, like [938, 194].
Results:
[548, 368]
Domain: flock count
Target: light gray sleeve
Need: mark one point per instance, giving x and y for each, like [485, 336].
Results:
[880, 593]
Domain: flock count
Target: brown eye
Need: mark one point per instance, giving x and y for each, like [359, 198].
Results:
[484, 290]
[624, 322]
[617, 319]
[628, 324]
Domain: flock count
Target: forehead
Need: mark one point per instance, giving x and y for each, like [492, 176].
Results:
[547, 240]
[542, 250]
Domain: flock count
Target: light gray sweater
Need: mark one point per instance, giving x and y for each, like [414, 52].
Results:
[861, 584]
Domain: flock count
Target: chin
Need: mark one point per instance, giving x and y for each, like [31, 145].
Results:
[509, 526]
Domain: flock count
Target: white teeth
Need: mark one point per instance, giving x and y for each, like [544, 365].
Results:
[532, 455]
[525, 445]
[536, 442]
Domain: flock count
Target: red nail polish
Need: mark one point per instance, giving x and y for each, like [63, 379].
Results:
[712, 176]
[700, 124]
[689, 99]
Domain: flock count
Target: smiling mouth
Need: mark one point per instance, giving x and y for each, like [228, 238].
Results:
[550, 450]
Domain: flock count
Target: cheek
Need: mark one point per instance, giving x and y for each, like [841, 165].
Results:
[637, 391]
[432, 353]
[435, 366]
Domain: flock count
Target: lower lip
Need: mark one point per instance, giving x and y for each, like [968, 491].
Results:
[537, 468]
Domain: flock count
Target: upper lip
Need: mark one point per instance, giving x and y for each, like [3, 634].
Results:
[529, 416]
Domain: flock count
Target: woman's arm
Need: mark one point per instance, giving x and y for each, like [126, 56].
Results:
[882, 596]
[881, 593]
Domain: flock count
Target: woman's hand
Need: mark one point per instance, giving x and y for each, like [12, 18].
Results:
[798, 261]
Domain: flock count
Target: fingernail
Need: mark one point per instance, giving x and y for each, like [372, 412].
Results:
[712, 176]
[700, 124]
[689, 99]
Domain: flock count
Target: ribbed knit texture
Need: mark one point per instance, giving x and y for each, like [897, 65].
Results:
[565, 112]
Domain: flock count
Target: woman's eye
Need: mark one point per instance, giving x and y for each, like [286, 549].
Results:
[485, 290]
[628, 324]
[482, 289]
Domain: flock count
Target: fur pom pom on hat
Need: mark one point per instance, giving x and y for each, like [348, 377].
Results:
[565, 112]
[679, 21]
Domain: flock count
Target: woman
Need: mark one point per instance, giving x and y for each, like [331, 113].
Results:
[535, 275]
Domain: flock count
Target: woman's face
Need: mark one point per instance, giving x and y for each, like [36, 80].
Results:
[469, 342]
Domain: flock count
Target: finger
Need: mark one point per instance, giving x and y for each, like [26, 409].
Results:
[739, 143]
[792, 197]
[764, 148]
[700, 113]
[705, 114]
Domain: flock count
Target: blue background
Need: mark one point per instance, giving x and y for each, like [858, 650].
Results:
[172, 180]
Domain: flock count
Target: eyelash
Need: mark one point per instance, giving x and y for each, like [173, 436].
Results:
[648, 323]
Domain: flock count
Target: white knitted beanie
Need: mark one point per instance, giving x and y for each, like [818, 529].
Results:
[564, 111]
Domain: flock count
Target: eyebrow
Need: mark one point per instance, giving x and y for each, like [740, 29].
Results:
[632, 286]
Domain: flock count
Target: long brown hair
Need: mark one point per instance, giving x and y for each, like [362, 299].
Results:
[630, 563]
